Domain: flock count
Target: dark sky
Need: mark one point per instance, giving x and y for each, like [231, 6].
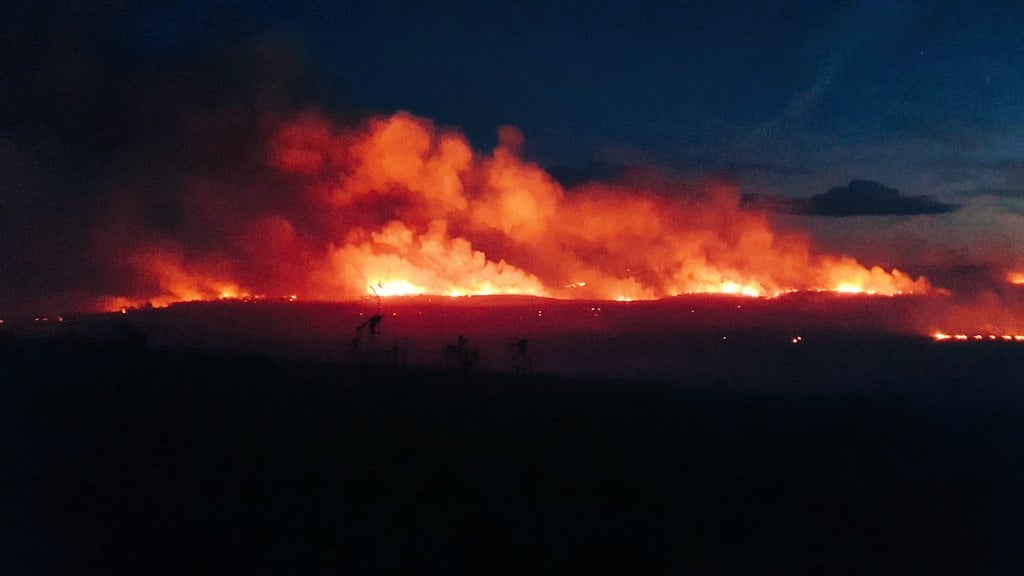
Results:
[788, 99]
[770, 91]
[924, 96]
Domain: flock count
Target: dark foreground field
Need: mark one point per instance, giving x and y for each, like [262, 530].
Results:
[117, 458]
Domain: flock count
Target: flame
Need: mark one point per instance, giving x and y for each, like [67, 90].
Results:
[1015, 278]
[399, 207]
[396, 288]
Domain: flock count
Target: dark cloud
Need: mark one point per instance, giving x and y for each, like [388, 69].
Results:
[858, 198]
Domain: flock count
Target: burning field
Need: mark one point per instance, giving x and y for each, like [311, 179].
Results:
[241, 186]
[397, 219]
[396, 206]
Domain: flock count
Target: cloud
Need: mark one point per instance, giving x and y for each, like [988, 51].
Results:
[858, 198]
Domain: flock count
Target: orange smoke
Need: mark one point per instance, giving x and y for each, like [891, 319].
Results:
[398, 206]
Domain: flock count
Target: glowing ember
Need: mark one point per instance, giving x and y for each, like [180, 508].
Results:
[943, 337]
[397, 207]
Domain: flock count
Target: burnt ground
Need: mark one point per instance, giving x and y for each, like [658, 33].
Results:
[118, 457]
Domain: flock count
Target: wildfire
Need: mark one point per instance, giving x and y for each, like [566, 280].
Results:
[1015, 278]
[398, 207]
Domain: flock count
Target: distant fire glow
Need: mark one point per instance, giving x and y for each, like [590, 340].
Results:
[399, 207]
[1015, 278]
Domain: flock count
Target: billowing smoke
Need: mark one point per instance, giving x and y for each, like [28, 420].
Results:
[395, 205]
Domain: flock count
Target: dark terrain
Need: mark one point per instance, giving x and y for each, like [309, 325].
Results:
[856, 455]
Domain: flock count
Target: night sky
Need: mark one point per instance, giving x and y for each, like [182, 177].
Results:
[914, 110]
[789, 97]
